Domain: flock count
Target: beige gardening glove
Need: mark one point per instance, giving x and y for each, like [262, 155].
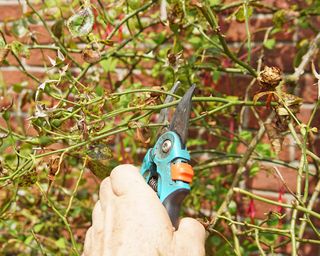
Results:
[129, 220]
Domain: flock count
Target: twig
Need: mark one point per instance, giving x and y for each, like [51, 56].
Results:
[241, 169]
[312, 50]
[207, 13]
[63, 218]
[56, 40]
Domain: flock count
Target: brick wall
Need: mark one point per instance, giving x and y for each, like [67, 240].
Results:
[266, 183]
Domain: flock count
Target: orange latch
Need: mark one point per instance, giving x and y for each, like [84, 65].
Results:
[182, 171]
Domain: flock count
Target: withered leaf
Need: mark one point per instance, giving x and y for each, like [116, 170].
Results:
[292, 102]
[261, 94]
[90, 55]
[28, 179]
[99, 169]
[143, 135]
[269, 78]
[99, 151]
[275, 137]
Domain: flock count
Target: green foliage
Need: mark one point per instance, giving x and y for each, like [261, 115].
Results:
[270, 43]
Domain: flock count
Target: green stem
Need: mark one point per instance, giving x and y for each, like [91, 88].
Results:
[56, 40]
[207, 13]
[63, 218]
[129, 16]
[290, 206]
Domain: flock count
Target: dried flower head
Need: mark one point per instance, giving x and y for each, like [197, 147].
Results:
[90, 55]
[269, 78]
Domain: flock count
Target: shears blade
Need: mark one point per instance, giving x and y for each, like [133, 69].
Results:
[180, 121]
[163, 116]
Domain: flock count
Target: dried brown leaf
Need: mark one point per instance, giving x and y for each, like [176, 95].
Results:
[143, 135]
[269, 78]
[275, 137]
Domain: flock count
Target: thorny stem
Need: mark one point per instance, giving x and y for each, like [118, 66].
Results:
[75, 188]
[141, 9]
[63, 218]
[207, 13]
[56, 40]
[238, 175]
[289, 206]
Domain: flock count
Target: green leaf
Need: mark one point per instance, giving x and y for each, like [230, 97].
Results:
[279, 18]
[195, 40]
[254, 169]
[216, 75]
[37, 228]
[273, 220]
[19, 28]
[28, 240]
[20, 49]
[61, 243]
[109, 64]
[264, 149]
[6, 115]
[214, 2]
[99, 90]
[2, 43]
[240, 15]
[245, 135]
[232, 148]
[196, 142]
[270, 43]
[81, 23]
[134, 4]
[232, 207]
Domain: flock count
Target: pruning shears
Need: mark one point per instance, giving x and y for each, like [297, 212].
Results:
[165, 166]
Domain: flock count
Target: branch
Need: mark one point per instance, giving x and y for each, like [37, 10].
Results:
[313, 49]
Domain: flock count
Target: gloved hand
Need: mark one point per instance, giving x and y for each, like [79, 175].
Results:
[130, 220]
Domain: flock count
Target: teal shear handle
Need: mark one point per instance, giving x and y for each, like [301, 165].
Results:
[166, 169]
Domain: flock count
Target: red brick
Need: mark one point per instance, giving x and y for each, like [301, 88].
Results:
[282, 57]
[262, 111]
[11, 60]
[146, 79]
[41, 34]
[308, 88]
[307, 33]
[233, 85]
[304, 114]
[268, 179]
[13, 77]
[288, 150]
[10, 12]
[39, 57]
[316, 145]
[38, 31]
[236, 31]
[77, 57]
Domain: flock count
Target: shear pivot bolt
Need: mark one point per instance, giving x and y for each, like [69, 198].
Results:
[166, 146]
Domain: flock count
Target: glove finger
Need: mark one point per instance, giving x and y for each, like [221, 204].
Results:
[126, 179]
[189, 239]
[97, 218]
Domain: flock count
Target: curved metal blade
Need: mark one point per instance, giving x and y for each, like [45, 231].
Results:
[163, 116]
[180, 120]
